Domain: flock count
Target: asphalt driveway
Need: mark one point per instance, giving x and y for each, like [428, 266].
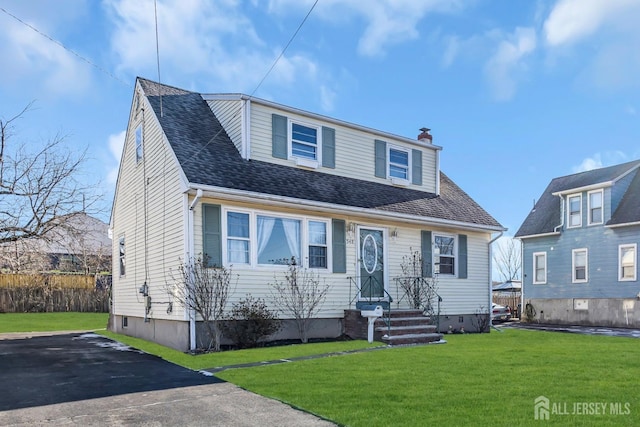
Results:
[88, 379]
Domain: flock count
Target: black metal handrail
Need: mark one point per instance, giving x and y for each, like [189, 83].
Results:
[420, 287]
[386, 306]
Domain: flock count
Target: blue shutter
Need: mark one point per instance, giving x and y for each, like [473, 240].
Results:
[212, 234]
[416, 167]
[339, 246]
[462, 256]
[328, 147]
[279, 135]
[381, 159]
[427, 256]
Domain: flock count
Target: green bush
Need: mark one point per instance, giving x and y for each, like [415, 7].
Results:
[250, 322]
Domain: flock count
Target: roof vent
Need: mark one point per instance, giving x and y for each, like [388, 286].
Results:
[425, 136]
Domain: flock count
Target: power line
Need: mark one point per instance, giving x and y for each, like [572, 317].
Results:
[65, 48]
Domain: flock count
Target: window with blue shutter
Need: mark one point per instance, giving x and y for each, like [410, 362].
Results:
[328, 147]
[381, 158]
[462, 256]
[416, 167]
[279, 136]
[427, 253]
[339, 246]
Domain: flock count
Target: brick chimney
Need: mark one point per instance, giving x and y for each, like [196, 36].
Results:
[425, 136]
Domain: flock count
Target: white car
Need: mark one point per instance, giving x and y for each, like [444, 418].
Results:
[500, 312]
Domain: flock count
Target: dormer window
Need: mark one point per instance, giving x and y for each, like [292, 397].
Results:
[304, 141]
[574, 210]
[595, 207]
[398, 163]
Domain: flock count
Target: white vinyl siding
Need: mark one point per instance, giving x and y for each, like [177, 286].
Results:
[574, 211]
[354, 149]
[595, 207]
[230, 114]
[580, 265]
[539, 268]
[627, 262]
[151, 215]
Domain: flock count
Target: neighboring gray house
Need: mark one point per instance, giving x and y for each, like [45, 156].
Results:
[251, 183]
[580, 249]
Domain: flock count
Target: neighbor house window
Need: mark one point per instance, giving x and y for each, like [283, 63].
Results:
[444, 251]
[539, 268]
[575, 210]
[595, 207]
[580, 265]
[278, 240]
[139, 143]
[121, 256]
[317, 244]
[398, 163]
[304, 141]
[627, 257]
[238, 238]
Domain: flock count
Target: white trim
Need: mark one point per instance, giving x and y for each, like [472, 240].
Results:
[635, 262]
[624, 224]
[569, 197]
[586, 265]
[319, 117]
[589, 222]
[531, 236]
[332, 208]
[394, 179]
[456, 255]
[253, 233]
[536, 282]
[598, 186]
[438, 174]
[301, 160]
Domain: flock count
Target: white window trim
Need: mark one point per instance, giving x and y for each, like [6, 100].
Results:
[634, 246]
[586, 265]
[455, 254]
[225, 233]
[253, 233]
[396, 180]
[569, 197]
[589, 222]
[544, 255]
[122, 258]
[141, 130]
[305, 161]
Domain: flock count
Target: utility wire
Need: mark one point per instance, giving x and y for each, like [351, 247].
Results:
[65, 48]
[261, 81]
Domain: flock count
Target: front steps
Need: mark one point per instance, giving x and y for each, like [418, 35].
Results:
[406, 327]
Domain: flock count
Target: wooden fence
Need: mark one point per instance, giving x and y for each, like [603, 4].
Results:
[23, 293]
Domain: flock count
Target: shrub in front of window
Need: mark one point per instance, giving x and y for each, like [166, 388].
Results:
[250, 322]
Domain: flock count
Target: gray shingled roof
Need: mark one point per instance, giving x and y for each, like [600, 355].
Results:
[545, 215]
[208, 157]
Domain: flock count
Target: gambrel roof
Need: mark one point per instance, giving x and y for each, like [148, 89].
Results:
[208, 157]
[546, 215]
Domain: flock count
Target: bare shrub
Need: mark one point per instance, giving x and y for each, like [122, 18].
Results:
[250, 322]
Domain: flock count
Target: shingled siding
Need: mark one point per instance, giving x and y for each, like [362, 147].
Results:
[154, 233]
[602, 245]
[354, 152]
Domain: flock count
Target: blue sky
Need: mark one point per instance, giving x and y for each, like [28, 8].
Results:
[516, 92]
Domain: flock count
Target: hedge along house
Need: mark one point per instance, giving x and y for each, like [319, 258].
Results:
[580, 249]
[252, 183]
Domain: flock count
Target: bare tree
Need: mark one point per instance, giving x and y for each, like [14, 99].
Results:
[301, 296]
[204, 291]
[38, 185]
[420, 291]
[508, 259]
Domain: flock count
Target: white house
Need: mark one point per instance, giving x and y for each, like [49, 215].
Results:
[250, 183]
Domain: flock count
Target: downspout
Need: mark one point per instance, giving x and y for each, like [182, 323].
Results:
[491, 275]
[555, 229]
[191, 245]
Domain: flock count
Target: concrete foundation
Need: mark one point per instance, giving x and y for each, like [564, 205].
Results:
[612, 312]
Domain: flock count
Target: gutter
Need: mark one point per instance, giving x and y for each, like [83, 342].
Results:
[251, 197]
[491, 276]
[192, 312]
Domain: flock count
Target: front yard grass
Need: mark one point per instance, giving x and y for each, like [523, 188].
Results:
[46, 322]
[474, 379]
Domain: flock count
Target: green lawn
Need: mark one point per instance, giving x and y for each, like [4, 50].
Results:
[489, 379]
[45, 322]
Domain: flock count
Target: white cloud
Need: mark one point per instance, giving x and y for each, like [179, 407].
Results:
[115, 142]
[571, 21]
[387, 22]
[43, 63]
[600, 160]
[506, 66]
[327, 98]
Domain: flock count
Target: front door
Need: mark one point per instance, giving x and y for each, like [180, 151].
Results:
[371, 258]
